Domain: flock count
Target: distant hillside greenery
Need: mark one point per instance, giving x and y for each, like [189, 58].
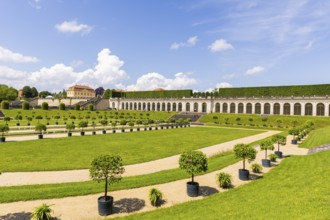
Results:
[300, 90]
[153, 94]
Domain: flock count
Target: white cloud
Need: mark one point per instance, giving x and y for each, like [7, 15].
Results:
[254, 70]
[73, 27]
[220, 45]
[8, 55]
[154, 80]
[309, 45]
[76, 63]
[35, 4]
[224, 85]
[7, 73]
[189, 43]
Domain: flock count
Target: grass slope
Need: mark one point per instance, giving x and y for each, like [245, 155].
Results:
[316, 138]
[297, 189]
[136, 147]
[47, 191]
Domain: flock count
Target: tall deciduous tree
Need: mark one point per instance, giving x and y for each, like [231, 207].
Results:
[99, 91]
[27, 92]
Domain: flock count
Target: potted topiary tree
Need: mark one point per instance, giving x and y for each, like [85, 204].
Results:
[70, 128]
[193, 162]
[145, 123]
[123, 123]
[3, 129]
[138, 122]
[104, 123]
[294, 132]
[266, 145]
[245, 152]
[29, 119]
[82, 125]
[114, 126]
[279, 140]
[18, 117]
[108, 169]
[56, 119]
[40, 128]
[131, 125]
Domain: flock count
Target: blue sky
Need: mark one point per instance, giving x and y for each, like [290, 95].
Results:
[173, 44]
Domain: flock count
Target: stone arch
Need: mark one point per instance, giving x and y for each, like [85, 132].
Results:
[188, 107]
[143, 106]
[130, 105]
[267, 108]
[204, 107]
[232, 108]
[297, 109]
[240, 108]
[113, 105]
[257, 108]
[276, 108]
[286, 109]
[320, 109]
[168, 107]
[248, 108]
[217, 107]
[195, 107]
[180, 107]
[163, 107]
[224, 108]
[126, 105]
[174, 107]
[158, 106]
[308, 109]
[122, 106]
[153, 106]
[139, 106]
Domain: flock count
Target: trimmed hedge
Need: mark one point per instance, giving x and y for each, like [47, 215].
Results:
[301, 90]
[154, 94]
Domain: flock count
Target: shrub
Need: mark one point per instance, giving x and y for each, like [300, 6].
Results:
[90, 107]
[155, 196]
[77, 107]
[272, 157]
[224, 180]
[4, 105]
[70, 127]
[245, 152]
[61, 106]
[41, 212]
[193, 162]
[40, 128]
[25, 105]
[44, 106]
[256, 168]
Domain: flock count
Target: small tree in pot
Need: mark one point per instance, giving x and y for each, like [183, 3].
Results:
[104, 123]
[82, 125]
[131, 125]
[40, 128]
[193, 162]
[113, 124]
[123, 123]
[3, 129]
[279, 140]
[70, 127]
[266, 145]
[138, 122]
[294, 132]
[108, 169]
[245, 152]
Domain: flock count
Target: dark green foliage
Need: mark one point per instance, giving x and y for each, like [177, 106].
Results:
[193, 162]
[61, 106]
[4, 105]
[279, 140]
[43, 94]
[256, 168]
[266, 145]
[7, 93]
[4, 128]
[155, 196]
[77, 107]
[25, 105]
[301, 90]
[224, 180]
[90, 107]
[82, 125]
[40, 128]
[44, 106]
[34, 92]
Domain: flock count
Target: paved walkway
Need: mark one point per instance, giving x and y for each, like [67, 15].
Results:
[28, 178]
[136, 200]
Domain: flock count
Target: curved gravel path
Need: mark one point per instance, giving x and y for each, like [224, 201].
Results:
[47, 177]
[136, 200]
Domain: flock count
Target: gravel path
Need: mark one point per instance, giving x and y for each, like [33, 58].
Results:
[135, 200]
[44, 177]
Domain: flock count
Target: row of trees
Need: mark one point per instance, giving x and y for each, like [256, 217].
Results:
[7, 93]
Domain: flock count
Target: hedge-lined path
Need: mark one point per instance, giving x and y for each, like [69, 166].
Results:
[136, 200]
[44, 177]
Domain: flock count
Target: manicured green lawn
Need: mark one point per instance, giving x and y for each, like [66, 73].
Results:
[273, 121]
[299, 188]
[316, 138]
[78, 152]
[47, 191]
